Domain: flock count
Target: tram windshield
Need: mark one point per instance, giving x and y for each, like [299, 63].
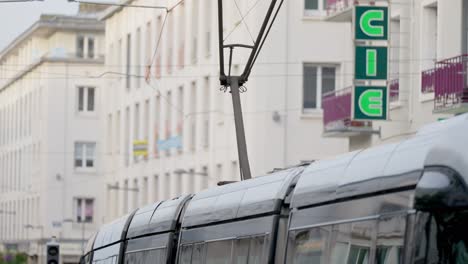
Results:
[443, 237]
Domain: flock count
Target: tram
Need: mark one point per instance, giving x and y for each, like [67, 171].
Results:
[405, 202]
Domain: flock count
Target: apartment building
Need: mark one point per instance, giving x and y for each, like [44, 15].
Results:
[174, 132]
[427, 65]
[50, 118]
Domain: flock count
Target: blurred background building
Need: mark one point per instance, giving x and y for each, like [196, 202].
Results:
[174, 133]
[88, 139]
[50, 119]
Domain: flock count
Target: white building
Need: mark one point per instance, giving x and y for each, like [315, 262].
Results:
[428, 70]
[309, 53]
[183, 109]
[50, 118]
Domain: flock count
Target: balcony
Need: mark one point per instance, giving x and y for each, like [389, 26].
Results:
[394, 90]
[428, 81]
[337, 116]
[340, 10]
[450, 85]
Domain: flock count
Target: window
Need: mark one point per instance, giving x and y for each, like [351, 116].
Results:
[86, 99]
[129, 61]
[208, 26]
[180, 122]
[317, 80]
[348, 243]
[315, 7]
[219, 252]
[90, 48]
[429, 37]
[193, 117]
[85, 47]
[194, 38]
[148, 45]
[137, 58]
[310, 246]
[84, 210]
[390, 240]
[80, 47]
[146, 256]
[85, 155]
[206, 113]
[186, 254]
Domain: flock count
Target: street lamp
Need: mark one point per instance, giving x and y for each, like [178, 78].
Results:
[41, 227]
[69, 220]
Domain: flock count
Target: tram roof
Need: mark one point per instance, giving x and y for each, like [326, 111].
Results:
[111, 233]
[387, 166]
[156, 218]
[260, 195]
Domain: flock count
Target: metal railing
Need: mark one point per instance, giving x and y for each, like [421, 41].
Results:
[337, 106]
[428, 81]
[335, 6]
[394, 90]
[451, 82]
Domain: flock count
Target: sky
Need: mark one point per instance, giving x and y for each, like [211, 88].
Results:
[17, 17]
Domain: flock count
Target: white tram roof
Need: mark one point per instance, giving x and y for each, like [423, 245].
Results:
[387, 166]
[156, 218]
[260, 195]
[111, 233]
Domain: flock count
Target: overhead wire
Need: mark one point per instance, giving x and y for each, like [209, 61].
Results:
[243, 21]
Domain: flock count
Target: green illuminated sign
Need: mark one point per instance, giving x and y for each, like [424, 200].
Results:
[370, 103]
[371, 63]
[371, 23]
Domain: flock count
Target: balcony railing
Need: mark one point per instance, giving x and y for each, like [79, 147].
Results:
[337, 114]
[428, 81]
[451, 84]
[394, 90]
[337, 6]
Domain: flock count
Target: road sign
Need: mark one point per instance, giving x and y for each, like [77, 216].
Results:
[371, 23]
[371, 63]
[370, 103]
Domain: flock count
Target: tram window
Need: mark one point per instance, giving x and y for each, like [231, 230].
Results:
[186, 254]
[241, 251]
[219, 252]
[358, 255]
[256, 250]
[390, 240]
[310, 246]
[197, 254]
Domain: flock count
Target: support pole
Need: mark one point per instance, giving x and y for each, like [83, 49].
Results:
[240, 132]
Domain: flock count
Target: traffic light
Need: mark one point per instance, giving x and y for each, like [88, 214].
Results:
[53, 252]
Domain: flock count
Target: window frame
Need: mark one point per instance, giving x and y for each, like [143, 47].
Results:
[319, 85]
[373, 220]
[85, 53]
[86, 89]
[83, 201]
[84, 156]
[319, 12]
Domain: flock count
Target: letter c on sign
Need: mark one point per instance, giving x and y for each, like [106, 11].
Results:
[366, 23]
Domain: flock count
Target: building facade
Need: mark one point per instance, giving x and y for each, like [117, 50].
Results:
[173, 133]
[427, 66]
[169, 127]
[50, 119]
